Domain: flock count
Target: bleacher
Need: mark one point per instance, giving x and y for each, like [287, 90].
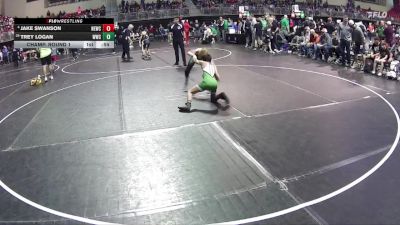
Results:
[62, 2]
[132, 10]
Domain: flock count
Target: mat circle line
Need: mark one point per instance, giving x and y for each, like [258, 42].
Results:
[243, 221]
[118, 71]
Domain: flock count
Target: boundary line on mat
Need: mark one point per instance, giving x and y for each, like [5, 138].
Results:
[11, 85]
[342, 189]
[248, 220]
[163, 208]
[265, 172]
[34, 204]
[243, 151]
[335, 165]
[32, 120]
[387, 91]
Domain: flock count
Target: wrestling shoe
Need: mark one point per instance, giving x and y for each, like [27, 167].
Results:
[185, 108]
[225, 98]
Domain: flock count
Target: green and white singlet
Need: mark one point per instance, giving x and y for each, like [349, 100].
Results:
[209, 82]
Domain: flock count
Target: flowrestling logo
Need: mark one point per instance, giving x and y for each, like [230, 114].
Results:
[64, 21]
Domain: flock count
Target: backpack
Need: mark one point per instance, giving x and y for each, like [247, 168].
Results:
[394, 70]
[369, 65]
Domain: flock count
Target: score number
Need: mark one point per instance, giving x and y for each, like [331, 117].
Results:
[108, 32]
[108, 27]
[108, 36]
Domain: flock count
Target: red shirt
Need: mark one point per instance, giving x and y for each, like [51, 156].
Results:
[371, 28]
[186, 26]
[152, 30]
[314, 38]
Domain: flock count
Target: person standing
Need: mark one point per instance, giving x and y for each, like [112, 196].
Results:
[5, 55]
[186, 28]
[197, 33]
[125, 40]
[15, 57]
[371, 31]
[253, 31]
[247, 32]
[225, 27]
[240, 26]
[169, 37]
[258, 35]
[220, 24]
[45, 59]
[144, 42]
[330, 26]
[345, 33]
[177, 41]
[358, 39]
[389, 33]
[285, 25]
[115, 39]
[380, 30]
[54, 58]
[264, 25]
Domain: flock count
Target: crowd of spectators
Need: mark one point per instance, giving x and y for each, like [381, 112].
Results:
[6, 28]
[310, 7]
[79, 13]
[370, 47]
[127, 6]
[9, 55]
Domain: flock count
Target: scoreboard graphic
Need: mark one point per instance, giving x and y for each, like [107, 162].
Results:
[64, 33]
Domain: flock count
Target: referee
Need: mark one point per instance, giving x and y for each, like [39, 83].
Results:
[126, 35]
[177, 40]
